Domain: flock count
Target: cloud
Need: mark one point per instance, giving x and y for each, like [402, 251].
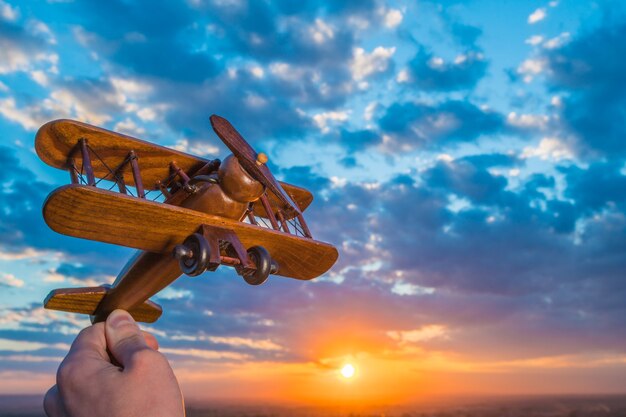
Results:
[597, 187]
[393, 18]
[549, 148]
[429, 72]
[531, 68]
[377, 62]
[11, 280]
[416, 124]
[528, 121]
[322, 119]
[589, 78]
[537, 16]
[21, 49]
[423, 334]
[7, 12]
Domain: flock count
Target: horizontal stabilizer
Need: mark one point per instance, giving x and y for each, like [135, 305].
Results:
[85, 301]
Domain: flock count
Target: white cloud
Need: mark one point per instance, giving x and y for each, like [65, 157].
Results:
[423, 334]
[3, 87]
[403, 76]
[534, 40]
[65, 103]
[11, 281]
[321, 31]
[531, 68]
[7, 12]
[15, 57]
[435, 62]
[28, 118]
[62, 103]
[147, 113]
[12, 58]
[255, 101]
[130, 87]
[549, 148]
[322, 119]
[406, 288]
[38, 27]
[26, 346]
[393, 18]
[54, 277]
[286, 72]
[204, 354]
[29, 253]
[537, 16]
[364, 64]
[200, 149]
[257, 72]
[129, 127]
[557, 41]
[368, 113]
[40, 77]
[536, 121]
[260, 344]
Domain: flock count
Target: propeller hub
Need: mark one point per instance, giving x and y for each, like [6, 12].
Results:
[261, 159]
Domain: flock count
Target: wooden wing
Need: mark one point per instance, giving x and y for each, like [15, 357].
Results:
[57, 141]
[91, 213]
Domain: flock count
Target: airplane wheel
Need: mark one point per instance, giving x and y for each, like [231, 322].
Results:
[263, 261]
[193, 255]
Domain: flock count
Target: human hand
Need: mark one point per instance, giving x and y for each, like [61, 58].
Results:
[89, 385]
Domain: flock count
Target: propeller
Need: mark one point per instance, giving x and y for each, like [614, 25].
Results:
[252, 162]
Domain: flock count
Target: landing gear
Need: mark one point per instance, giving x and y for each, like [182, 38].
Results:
[215, 246]
[193, 255]
[261, 258]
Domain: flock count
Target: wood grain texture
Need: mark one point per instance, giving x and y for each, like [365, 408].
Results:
[56, 139]
[90, 213]
[248, 158]
[85, 301]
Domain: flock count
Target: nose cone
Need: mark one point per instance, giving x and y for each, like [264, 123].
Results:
[261, 159]
[237, 183]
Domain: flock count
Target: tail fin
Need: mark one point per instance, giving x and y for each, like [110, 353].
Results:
[85, 300]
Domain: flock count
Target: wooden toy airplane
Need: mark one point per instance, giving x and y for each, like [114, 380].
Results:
[207, 213]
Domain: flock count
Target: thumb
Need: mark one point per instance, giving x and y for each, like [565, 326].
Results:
[124, 338]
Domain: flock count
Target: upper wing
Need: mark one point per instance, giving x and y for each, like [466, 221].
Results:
[92, 213]
[56, 141]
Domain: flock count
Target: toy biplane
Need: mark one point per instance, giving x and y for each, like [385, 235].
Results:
[206, 213]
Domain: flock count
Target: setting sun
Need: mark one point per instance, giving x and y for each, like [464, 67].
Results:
[347, 371]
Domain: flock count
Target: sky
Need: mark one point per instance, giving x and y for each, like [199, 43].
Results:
[468, 160]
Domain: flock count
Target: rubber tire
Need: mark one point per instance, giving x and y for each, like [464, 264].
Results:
[199, 261]
[263, 262]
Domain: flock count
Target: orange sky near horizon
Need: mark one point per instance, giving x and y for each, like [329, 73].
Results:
[391, 378]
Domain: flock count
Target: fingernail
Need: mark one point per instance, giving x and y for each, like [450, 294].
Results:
[119, 318]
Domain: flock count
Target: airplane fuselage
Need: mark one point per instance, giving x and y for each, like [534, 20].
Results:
[147, 273]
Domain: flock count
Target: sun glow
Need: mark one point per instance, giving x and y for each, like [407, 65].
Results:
[347, 371]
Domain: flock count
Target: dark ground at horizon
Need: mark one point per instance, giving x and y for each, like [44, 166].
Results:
[538, 406]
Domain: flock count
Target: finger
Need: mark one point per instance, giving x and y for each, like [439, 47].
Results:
[90, 344]
[123, 336]
[150, 340]
[52, 404]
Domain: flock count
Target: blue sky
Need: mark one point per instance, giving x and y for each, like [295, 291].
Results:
[467, 158]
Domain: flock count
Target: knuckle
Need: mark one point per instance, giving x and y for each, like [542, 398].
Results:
[146, 358]
[66, 372]
[129, 342]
